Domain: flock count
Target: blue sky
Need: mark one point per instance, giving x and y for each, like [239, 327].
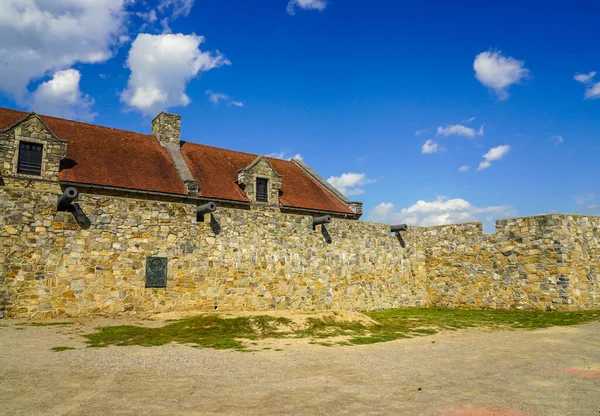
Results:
[506, 89]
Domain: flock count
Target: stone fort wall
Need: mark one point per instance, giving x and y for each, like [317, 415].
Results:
[93, 261]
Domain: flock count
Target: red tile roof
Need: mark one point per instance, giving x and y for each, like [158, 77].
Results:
[123, 159]
[110, 157]
[216, 171]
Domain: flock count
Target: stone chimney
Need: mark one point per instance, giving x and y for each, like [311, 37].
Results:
[167, 128]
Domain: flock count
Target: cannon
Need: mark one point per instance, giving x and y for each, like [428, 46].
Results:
[67, 198]
[206, 208]
[398, 228]
[325, 219]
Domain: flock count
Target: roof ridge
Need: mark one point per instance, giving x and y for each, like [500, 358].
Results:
[235, 151]
[74, 121]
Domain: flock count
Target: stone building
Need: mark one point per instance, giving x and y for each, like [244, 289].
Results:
[133, 239]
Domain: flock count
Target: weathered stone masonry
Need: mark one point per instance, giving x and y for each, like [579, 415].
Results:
[236, 259]
[258, 259]
[545, 262]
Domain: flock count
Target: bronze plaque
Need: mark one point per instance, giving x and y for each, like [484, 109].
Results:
[156, 272]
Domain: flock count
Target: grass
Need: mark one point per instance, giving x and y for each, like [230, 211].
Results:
[204, 330]
[213, 331]
[59, 349]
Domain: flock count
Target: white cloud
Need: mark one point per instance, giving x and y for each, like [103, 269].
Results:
[558, 139]
[61, 97]
[580, 200]
[464, 168]
[459, 130]
[592, 90]
[421, 132]
[585, 78]
[495, 153]
[148, 16]
[469, 120]
[217, 97]
[162, 66]
[277, 155]
[439, 212]
[41, 37]
[498, 72]
[306, 5]
[176, 7]
[282, 155]
[350, 183]
[429, 147]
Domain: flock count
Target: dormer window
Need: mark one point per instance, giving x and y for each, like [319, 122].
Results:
[262, 190]
[30, 158]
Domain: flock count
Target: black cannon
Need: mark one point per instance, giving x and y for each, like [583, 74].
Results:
[206, 208]
[398, 228]
[67, 198]
[325, 219]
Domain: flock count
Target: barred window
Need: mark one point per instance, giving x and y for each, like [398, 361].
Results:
[262, 187]
[30, 159]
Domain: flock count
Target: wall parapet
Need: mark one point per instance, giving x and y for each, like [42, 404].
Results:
[543, 262]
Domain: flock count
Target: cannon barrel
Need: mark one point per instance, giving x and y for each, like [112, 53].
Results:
[325, 219]
[206, 208]
[68, 196]
[400, 227]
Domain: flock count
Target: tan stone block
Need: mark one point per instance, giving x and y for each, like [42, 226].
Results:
[11, 230]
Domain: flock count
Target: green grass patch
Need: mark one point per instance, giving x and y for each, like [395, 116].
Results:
[214, 331]
[59, 349]
[204, 330]
[433, 319]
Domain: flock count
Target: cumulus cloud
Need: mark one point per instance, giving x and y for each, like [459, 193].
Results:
[350, 183]
[439, 212]
[217, 97]
[306, 5]
[592, 90]
[459, 130]
[464, 168]
[162, 66]
[430, 146]
[498, 72]
[495, 153]
[39, 37]
[283, 155]
[62, 97]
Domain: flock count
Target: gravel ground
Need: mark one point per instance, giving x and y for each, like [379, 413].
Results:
[552, 371]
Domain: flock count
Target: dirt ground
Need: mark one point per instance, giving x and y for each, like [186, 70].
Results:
[476, 372]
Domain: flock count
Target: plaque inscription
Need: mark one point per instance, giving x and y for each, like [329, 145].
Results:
[156, 272]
